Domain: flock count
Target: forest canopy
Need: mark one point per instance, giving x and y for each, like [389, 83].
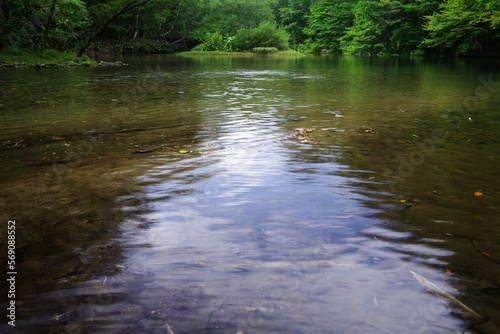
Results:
[363, 27]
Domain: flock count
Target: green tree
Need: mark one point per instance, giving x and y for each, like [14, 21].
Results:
[348, 26]
[39, 24]
[173, 21]
[292, 15]
[4, 18]
[228, 16]
[103, 14]
[70, 17]
[370, 33]
[408, 34]
[159, 26]
[327, 24]
[386, 26]
[465, 27]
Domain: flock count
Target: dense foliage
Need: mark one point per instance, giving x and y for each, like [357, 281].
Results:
[382, 27]
[465, 26]
[265, 35]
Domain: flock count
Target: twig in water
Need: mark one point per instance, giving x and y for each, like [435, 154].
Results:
[473, 242]
[486, 255]
[59, 316]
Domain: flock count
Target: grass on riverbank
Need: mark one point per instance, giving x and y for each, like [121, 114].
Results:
[14, 57]
[222, 53]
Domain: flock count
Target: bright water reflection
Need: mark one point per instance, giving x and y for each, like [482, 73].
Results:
[264, 232]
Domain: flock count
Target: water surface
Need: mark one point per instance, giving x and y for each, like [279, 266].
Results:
[263, 195]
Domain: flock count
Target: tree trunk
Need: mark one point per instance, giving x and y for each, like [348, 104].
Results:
[49, 24]
[136, 23]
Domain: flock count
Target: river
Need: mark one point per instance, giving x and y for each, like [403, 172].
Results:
[215, 194]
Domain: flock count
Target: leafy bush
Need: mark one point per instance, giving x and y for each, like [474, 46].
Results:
[49, 53]
[12, 51]
[215, 42]
[81, 60]
[264, 50]
[267, 34]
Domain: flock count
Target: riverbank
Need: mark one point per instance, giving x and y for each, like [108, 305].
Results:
[13, 58]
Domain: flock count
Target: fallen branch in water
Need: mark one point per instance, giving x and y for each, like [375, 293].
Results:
[457, 306]
[169, 330]
[451, 301]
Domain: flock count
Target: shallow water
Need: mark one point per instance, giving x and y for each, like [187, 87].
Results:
[257, 227]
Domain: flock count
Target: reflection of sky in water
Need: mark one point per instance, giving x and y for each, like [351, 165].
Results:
[277, 242]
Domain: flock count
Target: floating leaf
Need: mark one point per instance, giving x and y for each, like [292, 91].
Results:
[119, 266]
[191, 150]
[416, 136]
